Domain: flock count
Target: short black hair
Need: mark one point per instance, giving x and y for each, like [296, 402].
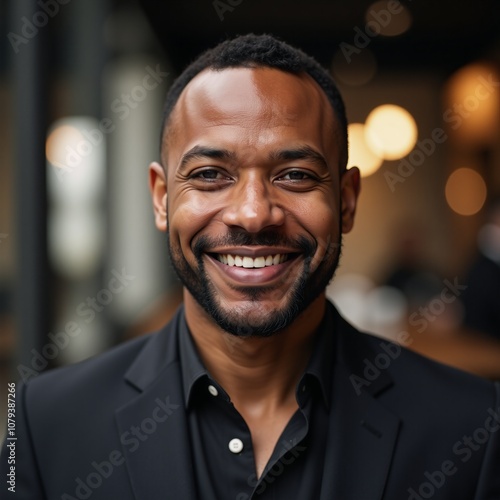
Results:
[252, 51]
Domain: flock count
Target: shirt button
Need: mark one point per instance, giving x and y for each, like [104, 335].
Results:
[235, 445]
[212, 390]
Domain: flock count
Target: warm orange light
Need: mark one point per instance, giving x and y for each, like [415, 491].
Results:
[360, 155]
[472, 104]
[465, 191]
[391, 131]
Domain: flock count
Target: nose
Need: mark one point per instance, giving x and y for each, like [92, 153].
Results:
[252, 206]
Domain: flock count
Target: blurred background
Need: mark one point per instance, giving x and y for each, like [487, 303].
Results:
[81, 90]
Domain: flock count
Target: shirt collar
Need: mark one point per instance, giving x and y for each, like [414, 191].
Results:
[191, 364]
[319, 367]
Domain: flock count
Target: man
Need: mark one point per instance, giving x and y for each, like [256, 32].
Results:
[257, 388]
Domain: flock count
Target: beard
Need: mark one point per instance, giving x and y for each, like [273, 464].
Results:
[301, 292]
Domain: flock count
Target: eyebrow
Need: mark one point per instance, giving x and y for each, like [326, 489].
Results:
[199, 152]
[303, 153]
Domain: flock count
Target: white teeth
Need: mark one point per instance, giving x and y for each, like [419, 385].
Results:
[259, 262]
[249, 262]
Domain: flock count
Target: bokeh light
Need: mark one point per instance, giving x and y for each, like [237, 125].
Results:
[472, 102]
[385, 309]
[389, 17]
[360, 155]
[390, 131]
[76, 153]
[465, 191]
[59, 138]
[76, 178]
[75, 242]
[349, 292]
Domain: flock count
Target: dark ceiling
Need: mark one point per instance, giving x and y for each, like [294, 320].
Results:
[444, 34]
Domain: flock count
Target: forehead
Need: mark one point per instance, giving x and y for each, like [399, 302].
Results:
[253, 106]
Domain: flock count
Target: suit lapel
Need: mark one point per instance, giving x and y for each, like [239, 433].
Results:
[364, 433]
[153, 426]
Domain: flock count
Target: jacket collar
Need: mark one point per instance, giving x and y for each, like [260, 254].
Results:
[159, 352]
[153, 427]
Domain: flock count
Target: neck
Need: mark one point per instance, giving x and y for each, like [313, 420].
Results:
[256, 371]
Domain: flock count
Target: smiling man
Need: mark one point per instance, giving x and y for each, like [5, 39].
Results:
[257, 198]
[257, 388]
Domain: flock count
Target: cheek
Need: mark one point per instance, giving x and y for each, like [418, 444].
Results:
[188, 215]
[324, 225]
[192, 201]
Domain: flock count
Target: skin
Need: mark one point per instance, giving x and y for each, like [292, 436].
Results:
[253, 114]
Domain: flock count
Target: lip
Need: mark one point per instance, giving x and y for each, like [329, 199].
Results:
[262, 276]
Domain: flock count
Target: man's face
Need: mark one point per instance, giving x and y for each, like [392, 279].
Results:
[255, 206]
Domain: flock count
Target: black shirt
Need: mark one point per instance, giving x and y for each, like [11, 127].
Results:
[221, 445]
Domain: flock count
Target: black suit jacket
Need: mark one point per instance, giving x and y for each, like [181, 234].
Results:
[114, 427]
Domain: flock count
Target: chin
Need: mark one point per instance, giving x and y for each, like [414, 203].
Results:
[257, 318]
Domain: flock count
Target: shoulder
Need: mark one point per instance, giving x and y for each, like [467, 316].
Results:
[104, 379]
[376, 364]
[97, 381]
[111, 363]
[417, 371]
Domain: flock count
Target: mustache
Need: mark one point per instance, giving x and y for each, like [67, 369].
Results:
[264, 238]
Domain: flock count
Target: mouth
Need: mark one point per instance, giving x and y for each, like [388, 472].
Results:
[254, 266]
[234, 260]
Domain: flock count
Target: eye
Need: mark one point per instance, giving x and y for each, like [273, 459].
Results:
[209, 174]
[209, 179]
[295, 175]
[297, 180]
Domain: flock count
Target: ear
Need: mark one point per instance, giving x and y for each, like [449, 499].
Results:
[158, 189]
[350, 185]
